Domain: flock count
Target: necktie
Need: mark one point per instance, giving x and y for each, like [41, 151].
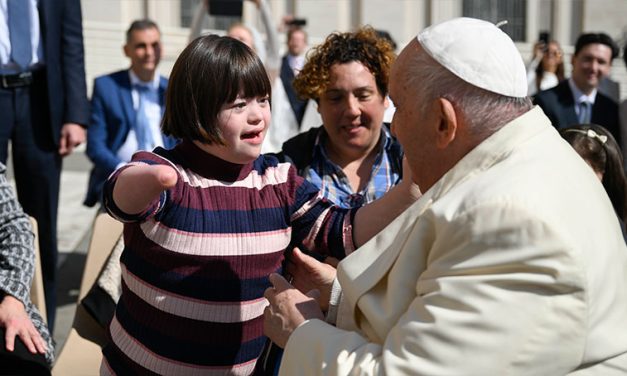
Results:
[584, 113]
[19, 32]
[142, 124]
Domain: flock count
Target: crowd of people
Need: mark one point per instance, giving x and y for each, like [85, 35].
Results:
[482, 231]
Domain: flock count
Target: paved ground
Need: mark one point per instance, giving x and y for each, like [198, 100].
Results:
[74, 225]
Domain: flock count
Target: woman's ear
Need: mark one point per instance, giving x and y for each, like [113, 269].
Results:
[448, 126]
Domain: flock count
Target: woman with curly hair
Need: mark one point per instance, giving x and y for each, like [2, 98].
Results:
[352, 157]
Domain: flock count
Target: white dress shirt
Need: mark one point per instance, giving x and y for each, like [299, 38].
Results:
[580, 97]
[6, 65]
[154, 111]
[296, 63]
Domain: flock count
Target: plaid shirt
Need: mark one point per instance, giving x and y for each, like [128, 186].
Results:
[334, 184]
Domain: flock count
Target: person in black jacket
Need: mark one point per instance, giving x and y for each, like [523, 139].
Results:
[43, 101]
[291, 64]
[578, 99]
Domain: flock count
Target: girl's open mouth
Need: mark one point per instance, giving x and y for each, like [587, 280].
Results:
[253, 137]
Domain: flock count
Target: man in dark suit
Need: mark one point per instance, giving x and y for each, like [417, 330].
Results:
[622, 115]
[610, 88]
[127, 107]
[578, 100]
[291, 64]
[44, 110]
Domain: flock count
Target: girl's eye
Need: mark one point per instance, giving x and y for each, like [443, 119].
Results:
[239, 104]
[263, 100]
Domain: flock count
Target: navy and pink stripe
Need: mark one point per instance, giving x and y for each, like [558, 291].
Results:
[196, 262]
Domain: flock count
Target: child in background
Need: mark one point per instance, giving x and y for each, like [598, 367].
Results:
[208, 221]
[599, 149]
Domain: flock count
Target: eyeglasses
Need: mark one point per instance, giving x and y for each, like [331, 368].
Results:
[590, 133]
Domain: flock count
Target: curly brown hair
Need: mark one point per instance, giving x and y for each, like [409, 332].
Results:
[363, 46]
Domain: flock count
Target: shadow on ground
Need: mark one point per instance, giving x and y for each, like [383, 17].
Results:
[70, 273]
[71, 267]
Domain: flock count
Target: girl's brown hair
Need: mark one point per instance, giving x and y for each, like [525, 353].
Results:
[210, 72]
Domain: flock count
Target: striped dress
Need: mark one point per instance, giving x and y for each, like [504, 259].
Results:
[196, 262]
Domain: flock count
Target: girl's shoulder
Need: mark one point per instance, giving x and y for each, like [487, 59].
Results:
[266, 160]
[282, 175]
[269, 164]
[158, 156]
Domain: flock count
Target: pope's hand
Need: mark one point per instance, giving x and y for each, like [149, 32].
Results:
[287, 310]
[310, 274]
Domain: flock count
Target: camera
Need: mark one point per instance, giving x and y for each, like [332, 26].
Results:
[231, 8]
[297, 22]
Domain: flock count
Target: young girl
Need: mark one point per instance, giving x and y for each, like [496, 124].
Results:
[599, 149]
[209, 220]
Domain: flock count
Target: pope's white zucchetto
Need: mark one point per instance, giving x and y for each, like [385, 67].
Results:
[479, 53]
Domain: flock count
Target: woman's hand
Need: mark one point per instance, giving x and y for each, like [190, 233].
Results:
[15, 320]
[538, 50]
[310, 274]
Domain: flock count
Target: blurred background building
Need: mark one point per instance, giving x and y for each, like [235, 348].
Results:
[105, 21]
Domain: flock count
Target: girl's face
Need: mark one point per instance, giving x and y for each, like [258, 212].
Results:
[243, 124]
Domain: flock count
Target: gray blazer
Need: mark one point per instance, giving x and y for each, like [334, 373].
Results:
[17, 258]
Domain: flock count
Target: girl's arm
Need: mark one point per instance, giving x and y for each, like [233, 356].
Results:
[321, 227]
[137, 186]
[374, 217]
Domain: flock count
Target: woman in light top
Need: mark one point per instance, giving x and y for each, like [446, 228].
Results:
[546, 69]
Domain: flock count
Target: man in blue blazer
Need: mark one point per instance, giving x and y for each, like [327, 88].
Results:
[578, 100]
[126, 108]
[44, 110]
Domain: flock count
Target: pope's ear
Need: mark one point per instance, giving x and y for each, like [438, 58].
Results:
[447, 128]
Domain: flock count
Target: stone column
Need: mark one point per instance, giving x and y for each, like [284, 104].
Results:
[562, 21]
[532, 27]
[442, 10]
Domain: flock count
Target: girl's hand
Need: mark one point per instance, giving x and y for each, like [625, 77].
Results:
[538, 50]
[409, 186]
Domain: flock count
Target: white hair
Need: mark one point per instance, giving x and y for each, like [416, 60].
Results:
[484, 111]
